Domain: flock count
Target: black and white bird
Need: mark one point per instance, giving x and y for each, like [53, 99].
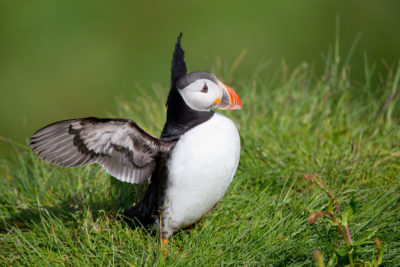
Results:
[189, 168]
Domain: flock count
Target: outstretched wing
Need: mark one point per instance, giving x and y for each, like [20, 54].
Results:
[125, 150]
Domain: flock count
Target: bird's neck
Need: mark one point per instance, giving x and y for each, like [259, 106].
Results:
[180, 117]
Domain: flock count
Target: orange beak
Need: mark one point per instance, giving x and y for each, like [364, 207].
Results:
[229, 99]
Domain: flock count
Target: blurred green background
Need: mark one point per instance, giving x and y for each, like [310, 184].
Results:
[66, 59]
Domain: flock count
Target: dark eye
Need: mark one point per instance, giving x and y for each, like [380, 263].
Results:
[205, 89]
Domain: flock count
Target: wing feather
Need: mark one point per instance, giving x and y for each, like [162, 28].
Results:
[124, 150]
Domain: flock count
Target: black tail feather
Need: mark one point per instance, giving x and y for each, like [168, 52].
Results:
[146, 211]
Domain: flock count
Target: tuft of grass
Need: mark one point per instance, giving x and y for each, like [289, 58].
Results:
[292, 123]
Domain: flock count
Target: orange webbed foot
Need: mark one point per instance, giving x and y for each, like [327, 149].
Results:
[164, 243]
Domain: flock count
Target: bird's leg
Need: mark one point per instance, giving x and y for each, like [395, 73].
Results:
[164, 241]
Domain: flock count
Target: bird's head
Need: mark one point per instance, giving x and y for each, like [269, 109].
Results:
[200, 90]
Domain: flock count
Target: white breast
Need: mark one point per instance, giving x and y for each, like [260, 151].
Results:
[200, 169]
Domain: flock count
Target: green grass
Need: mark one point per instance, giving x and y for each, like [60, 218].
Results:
[292, 123]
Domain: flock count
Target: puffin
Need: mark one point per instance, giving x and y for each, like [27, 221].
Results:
[189, 167]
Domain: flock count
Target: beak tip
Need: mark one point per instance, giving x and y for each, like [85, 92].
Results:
[232, 100]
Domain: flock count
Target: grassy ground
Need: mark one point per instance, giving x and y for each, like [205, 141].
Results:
[292, 123]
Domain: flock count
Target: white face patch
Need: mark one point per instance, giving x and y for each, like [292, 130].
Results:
[201, 94]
